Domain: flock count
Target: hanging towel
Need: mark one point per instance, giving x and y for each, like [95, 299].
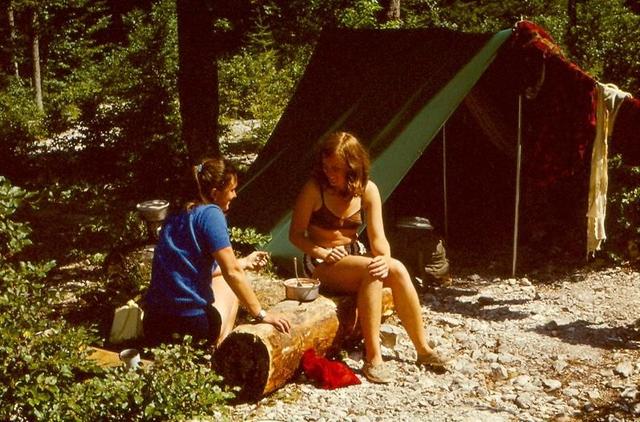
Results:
[608, 100]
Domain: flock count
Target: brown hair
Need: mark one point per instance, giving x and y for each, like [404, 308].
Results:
[211, 173]
[347, 147]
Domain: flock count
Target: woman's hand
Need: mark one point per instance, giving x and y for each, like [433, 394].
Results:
[335, 254]
[379, 267]
[255, 260]
[280, 322]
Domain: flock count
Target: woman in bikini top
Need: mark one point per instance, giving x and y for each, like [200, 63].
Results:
[325, 218]
[327, 215]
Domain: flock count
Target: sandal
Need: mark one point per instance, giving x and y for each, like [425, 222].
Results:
[432, 360]
[379, 374]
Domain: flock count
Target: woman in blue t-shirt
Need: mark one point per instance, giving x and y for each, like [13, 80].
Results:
[196, 279]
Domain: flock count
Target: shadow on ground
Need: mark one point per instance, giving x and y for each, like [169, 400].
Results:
[446, 299]
[584, 332]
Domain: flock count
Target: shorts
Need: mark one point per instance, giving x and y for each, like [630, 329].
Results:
[309, 263]
[160, 328]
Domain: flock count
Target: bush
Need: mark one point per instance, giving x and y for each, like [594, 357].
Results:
[623, 219]
[178, 386]
[45, 373]
[14, 236]
[40, 357]
[21, 124]
[257, 84]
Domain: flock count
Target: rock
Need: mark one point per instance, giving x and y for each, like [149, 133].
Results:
[559, 366]
[389, 335]
[499, 372]
[524, 400]
[551, 384]
[570, 392]
[629, 393]
[624, 369]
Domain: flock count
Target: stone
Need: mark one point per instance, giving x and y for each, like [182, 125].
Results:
[551, 384]
[389, 335]
[499, 372]
[624, 369]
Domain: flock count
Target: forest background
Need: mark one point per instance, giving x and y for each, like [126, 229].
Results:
[91, 123]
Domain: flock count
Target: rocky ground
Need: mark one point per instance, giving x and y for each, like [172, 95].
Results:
[561, 347]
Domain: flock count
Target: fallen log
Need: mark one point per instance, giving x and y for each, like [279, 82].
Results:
[259, 359]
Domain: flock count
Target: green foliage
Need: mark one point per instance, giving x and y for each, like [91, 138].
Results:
[608, 42]
[623, 207]
[133, 126]
[20, 122]
[178, 386]
[248, 239]
[361, 14]
[40, 356]
[257, 84]
[45, 373]
[14, 236]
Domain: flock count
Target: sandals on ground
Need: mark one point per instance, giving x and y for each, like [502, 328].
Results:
[379, 374]
[433, 361]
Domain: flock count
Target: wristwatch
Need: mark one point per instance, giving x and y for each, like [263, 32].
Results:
[261, 315]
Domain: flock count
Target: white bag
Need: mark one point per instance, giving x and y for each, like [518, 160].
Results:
[127, 323]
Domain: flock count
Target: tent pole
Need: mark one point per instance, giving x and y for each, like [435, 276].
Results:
[444, 181]
[517, 201]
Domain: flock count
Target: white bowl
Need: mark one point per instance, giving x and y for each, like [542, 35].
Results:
[301, 289]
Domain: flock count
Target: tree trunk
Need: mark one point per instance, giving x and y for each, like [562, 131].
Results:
[572, 21]
[259, 359]
[35, 58]
[197, 79]
[390, 10]
[12, 39]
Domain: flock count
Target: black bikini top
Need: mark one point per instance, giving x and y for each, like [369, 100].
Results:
[323, 217]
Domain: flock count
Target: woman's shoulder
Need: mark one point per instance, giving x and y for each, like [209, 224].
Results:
[206, 211]
[371, 195]
[371, 190]
[311, 187]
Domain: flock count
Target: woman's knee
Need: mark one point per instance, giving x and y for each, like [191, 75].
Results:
[397, 268]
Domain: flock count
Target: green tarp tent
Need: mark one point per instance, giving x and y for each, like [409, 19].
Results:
[495, 94]
[394, 88]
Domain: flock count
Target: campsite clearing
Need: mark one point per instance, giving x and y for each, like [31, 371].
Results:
[556, 345]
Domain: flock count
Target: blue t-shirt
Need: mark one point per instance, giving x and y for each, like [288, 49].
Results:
[183, 261]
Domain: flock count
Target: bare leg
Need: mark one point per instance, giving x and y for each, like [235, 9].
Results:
[370, 313]
[407, 304]
[226, 303]
[350, 275]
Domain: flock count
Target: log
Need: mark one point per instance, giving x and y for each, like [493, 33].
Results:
[259, 359]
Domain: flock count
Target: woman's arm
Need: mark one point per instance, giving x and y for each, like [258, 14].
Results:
[234, 275]
[302, 210]
[254, 261]
[375, 227]
[378, 243]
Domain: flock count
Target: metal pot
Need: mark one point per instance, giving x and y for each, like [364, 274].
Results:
[301, 289]
[154, 210]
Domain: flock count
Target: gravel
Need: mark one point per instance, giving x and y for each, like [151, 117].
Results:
[524, 350]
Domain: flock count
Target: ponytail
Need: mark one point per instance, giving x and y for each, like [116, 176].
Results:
[211, 173]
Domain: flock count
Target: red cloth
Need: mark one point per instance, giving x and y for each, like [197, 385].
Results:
[560, 119]
[329, 374]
